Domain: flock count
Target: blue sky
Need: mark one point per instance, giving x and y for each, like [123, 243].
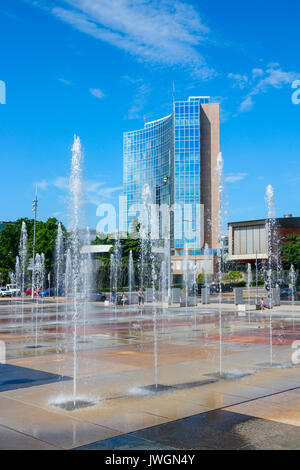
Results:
[97, 68]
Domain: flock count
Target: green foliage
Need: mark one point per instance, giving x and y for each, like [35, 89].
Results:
[127, 244]
[290, 251]
[200, 278]
[233, 276]
[10, 238]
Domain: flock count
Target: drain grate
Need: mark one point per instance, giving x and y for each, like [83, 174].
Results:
[159, 388]
[70, 405]
[276, 365]
[228, 375]
[197, 383]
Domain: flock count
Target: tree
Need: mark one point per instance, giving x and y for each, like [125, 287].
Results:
[9, 243]
[290, 251]
[233, 276]
[127, 244]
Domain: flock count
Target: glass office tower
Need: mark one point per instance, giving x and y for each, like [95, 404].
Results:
[175, 156]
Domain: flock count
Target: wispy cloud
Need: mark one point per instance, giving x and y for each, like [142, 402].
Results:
[238, 80]
[263, 81]
[65, 82]
[97, 93]
[42, 184]
[141, 92]
[95, 192]
[234, 177]
[164, 32]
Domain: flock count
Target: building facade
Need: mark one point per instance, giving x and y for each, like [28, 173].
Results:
[248, 241]
[175, 157]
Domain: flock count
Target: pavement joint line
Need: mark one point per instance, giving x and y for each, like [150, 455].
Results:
[30, 436]
[208, 411]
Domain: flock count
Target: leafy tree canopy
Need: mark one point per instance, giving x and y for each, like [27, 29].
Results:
[10, 238]
[290, 251]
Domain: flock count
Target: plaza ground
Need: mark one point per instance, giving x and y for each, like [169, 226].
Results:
[255, 404]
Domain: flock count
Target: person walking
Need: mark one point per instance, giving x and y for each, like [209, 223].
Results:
[141, 297]
[123, 299]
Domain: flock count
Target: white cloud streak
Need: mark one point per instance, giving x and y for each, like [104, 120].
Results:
[167, 32]
[97, 93]
[235, 177]
[273, 77]
[95, 192]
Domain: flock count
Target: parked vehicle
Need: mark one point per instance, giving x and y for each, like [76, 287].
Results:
[287, 292]
[12, 290]
[95, 295]
[28, 292]
[45, 293]
[4, 292]
[215, 288]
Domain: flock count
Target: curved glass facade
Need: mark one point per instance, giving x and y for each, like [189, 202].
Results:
[178, 147]
[147, 157]
[187, 172]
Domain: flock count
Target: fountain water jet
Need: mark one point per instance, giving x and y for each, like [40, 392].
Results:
[131, 278]
[23, 254]
[249, 282]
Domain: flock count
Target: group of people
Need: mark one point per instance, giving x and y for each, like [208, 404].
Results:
[124, 298]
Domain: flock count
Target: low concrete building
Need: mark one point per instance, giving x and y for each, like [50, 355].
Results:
[249, 240]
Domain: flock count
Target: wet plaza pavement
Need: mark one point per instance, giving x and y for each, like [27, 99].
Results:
[255, 403]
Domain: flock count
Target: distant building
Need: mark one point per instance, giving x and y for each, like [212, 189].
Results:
[248, 240]
[176, 157]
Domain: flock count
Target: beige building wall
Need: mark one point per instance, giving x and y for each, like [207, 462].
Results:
[210, 148]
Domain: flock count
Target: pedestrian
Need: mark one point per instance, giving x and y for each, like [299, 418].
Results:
[262, 304]
[141, 297]
[123, 299]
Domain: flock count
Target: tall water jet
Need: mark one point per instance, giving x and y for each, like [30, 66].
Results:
[68, 280]
[117, 262]
[87, 279]
[112, 275]
[131, 277]
[219, 175]
[23, 254]
[186, 272]
[292, 283]
[271, 209]
[145, 237]
[38, 282]
[59, 261]
[76, 193]
[206, 265]
[249, 282]
[18, 274]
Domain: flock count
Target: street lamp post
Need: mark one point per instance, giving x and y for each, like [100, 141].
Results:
[35, 209]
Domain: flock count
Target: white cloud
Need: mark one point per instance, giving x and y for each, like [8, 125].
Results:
[257, 73]
[168, 32]
[97, 93]
[142, 91]
[95, 191]
[234, 177]
[65, 82]
[42, 184]
[273, 77]
[246, 105]
[61, 182]
[238, 79]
